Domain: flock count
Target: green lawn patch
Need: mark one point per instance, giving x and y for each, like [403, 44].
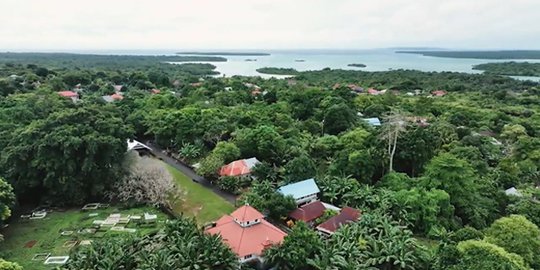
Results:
[198, 201]
[45, 235]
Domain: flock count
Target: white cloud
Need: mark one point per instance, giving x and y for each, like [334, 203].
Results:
[183, 24]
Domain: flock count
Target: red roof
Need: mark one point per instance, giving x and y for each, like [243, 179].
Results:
[346, 216]
[246, 213]
[308, 212]
[155, 91]
[117, 97]
[238, 167]
[249, 240]
[68, 94]
[439, 93]
[373, 91]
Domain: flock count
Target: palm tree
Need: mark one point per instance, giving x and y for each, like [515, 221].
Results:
[394, 124]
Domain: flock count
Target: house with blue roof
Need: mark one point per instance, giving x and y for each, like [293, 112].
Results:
[373, 121]
[303, 192]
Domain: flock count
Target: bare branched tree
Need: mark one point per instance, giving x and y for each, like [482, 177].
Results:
[395, 123]
[148, 181]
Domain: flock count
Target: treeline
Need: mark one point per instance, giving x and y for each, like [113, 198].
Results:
[507, 54]
[511, 68]
[277, 71]
[225, 53]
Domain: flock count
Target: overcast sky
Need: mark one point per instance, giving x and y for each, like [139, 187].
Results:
[267, 24]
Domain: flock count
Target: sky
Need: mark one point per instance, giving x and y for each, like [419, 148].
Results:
[267, 24]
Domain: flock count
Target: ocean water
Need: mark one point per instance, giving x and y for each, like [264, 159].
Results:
[375, 59]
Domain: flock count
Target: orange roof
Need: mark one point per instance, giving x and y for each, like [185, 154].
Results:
[117, 96]
[246, 213]
[439, 93]
[238, 167]
[68, 94]
[247, 240]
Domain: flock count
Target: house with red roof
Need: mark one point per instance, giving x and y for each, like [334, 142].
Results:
[346, 216]
[439, 93]
[247, 233]
[155, 91]
[69, 94]
[113, 97]
[373, 91]
[308, 213]
[239, 168]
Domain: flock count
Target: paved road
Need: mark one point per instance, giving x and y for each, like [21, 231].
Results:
[158, 152]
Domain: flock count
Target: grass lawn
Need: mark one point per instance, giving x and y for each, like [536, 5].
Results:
[46, 233]
[198, 201]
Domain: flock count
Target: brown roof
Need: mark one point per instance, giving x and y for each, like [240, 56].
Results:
[346, 216]
[308, 212]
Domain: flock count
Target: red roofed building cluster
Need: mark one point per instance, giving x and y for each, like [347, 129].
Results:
[69, 94]
[308, 213]
[247, 233]
[239, 168]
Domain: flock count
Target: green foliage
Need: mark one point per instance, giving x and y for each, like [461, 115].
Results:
[263, 197]
[526, 207]
[298, 169]
[229, 184]
[481, 255]
[338, 118]
[301, 243]
[510, 68]
[5, 265]
[209, 166]
[7, 200]
[518, 235]
[226, 150]
[277, 71]
[181, 246]
[263, 142]
[75, 154]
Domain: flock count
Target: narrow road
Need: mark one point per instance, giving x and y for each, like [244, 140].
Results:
[158, 152]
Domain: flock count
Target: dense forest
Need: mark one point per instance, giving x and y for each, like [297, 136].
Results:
[511, 68]
[430, 182]
[509, 54]
[226, 53]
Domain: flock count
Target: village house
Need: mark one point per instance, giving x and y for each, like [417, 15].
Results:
[247, 233]
[112, 98]
[346, 216]
[118, 88]
[141, 148]
[373, 91]
[303, 192]
[310, 212]
[376, 122]
[69, 94]
[239, 168]
[439, 93]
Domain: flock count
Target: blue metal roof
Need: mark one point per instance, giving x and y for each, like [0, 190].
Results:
[300, 189]
[373, 121]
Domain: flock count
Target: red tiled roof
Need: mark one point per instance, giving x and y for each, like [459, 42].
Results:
[117, 97]
[346, 216]
[308, 212]
[246, 213]
[235, 168]
[247, 240]
[439, 93]
[68, 94]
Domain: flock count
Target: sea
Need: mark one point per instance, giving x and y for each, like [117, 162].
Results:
[303, 60]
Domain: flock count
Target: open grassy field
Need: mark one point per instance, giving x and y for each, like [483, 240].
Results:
[46, 233]
[198, 201]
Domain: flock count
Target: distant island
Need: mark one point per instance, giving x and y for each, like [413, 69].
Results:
[225, 53]
[511, 68]
[251, 60]
[508, 54]
[357, 65]
[278, 71]
[299, 60]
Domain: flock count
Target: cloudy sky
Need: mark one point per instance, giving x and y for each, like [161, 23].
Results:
[267, 24]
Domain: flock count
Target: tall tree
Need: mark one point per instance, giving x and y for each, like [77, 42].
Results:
[394, 125]
[68, 157]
